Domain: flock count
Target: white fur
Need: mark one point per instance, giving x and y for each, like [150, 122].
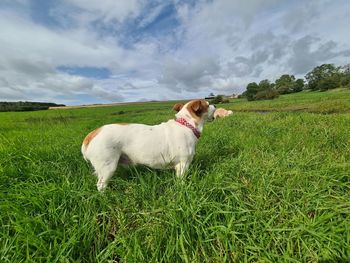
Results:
[167, 145]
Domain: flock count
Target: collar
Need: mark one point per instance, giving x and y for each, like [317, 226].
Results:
[183, 122]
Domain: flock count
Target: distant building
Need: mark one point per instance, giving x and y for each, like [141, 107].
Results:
[212, 96]
[233, 96]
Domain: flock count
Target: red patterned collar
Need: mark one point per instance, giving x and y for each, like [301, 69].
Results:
[183, 122]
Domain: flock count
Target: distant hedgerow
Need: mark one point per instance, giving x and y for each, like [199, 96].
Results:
[268, 94]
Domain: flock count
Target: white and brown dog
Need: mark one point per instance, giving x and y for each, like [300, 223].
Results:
[170, 144]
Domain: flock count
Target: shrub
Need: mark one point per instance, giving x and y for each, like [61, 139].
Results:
[219, 99]
[26, 106]
[345, 80]
[328, 83]
[267, 94]
[284, 90]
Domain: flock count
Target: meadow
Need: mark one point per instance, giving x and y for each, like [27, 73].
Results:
[270, 183]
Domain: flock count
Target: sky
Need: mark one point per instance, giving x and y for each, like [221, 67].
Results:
[102, 51]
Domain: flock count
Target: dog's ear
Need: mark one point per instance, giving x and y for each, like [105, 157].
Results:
[199, 106]
[196, 105]
[177, 107]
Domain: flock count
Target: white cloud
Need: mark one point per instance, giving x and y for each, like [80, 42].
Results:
[31, 53]
[255, 39]
[109, 10]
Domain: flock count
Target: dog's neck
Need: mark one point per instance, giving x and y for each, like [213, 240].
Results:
[185, 123]
[198, 125]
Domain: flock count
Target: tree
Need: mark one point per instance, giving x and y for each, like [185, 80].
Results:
[285, 84]
[331, 82]
[298, 85]
[345, 75]
[346, 69]
[263, 90]
[252, 89]
[319, 73]
[264, 84]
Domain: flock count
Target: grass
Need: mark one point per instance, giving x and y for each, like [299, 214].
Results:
[333, 101]
[262, 188]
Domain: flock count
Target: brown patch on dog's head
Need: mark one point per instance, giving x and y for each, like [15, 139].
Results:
[91, 136]
[178, 106]
[197, 108]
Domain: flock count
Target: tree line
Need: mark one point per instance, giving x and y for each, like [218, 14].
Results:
[26, 106]
[322, 78]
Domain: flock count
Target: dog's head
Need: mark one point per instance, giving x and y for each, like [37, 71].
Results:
[197, 110]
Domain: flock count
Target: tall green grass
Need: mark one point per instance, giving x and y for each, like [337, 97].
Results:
[262, 188]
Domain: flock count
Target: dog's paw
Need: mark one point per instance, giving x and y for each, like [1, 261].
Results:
[101, 186]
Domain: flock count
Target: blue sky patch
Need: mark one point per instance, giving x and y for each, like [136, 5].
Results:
[163, 23]
[90, 72]
[41, 13]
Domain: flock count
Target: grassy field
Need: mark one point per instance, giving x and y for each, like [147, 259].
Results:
[264, 186]
[333, 101]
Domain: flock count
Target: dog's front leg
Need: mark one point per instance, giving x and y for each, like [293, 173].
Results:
[181, 168]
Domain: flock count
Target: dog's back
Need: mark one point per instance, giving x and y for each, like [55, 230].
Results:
[155, 146]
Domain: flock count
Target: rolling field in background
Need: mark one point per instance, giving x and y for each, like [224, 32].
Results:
[270, 183]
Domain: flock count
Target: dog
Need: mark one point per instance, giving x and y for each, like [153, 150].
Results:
[221, 112]
[170, 144]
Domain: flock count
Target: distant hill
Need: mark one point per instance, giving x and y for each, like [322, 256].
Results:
[26, 106]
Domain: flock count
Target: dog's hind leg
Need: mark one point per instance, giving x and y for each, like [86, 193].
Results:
[104, 170]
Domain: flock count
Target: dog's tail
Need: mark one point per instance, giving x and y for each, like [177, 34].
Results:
[83, 151]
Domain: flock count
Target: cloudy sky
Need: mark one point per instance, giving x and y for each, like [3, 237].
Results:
[102, 51]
